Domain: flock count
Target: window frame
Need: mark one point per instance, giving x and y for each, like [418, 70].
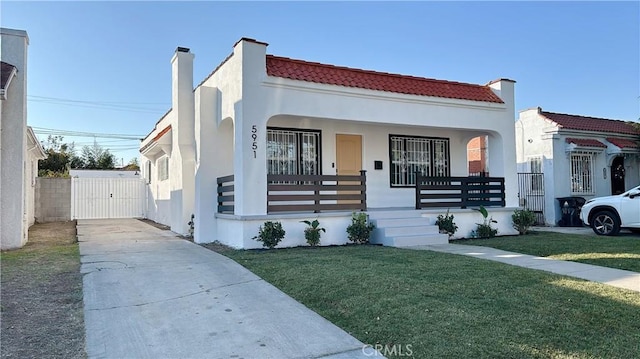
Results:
[299, 132]
[537, 186]
[162, 175]
[591, 173]
[432, 157]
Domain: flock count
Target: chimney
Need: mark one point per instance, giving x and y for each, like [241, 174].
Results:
[504, 88]
[182, 101]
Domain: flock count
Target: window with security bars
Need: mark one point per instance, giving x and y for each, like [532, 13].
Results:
[417, 155]
[582, 173]
[535, 166]
[293, 151]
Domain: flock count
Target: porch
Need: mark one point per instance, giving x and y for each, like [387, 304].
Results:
[321, 193]
[331, 199]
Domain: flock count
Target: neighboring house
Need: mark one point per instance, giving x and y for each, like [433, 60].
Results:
[477, 155]
[19, 147]
[261, 127]
[577, 156]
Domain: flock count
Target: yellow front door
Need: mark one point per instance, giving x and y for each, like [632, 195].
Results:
[348, 159]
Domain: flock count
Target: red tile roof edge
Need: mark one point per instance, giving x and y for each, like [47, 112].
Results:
[629, 129]
[488, 94]
[7, 71]
[586, 142]
[623, 142]
[155, 138]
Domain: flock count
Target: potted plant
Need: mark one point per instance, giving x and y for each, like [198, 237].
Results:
[312, 232]
[446, 224]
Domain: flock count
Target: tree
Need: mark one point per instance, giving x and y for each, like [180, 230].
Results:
[133, 165]
[59, 157]
[97, 158]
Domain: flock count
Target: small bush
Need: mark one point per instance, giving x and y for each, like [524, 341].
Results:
[360, 229]
[523, 219]
[270, 234]
[312, 232]
[446, 224]
[484, 229]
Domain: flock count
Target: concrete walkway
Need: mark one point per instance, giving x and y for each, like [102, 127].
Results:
[614, 277]
[149, 294]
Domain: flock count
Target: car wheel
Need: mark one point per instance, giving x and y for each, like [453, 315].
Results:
[605, 223]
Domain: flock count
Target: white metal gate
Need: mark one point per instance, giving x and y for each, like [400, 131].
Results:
[93, 198]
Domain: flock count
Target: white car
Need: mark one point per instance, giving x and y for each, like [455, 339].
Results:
[606, 215]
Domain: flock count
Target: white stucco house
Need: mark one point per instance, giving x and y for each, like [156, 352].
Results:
[265, 137]
[575, 156]
[20, 149]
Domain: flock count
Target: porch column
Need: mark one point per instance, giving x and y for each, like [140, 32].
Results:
[249, 164]
[502, 163]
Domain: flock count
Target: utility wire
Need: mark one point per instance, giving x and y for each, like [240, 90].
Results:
[51, 131]
[103, 105]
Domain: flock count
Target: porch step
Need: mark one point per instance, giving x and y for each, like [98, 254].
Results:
[405, 229]
[411, 241]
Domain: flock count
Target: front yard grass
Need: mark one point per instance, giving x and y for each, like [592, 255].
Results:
[622, 252]
[448, 306]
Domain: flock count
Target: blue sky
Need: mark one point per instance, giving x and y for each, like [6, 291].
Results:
[569, 57]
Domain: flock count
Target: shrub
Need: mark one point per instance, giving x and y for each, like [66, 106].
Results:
[446, 224]
[312, 232]
[360, 229]
[270, 234]
[523, 219]
[484, 229]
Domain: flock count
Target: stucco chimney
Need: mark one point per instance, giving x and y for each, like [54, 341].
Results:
[182, 101]
[505, 88]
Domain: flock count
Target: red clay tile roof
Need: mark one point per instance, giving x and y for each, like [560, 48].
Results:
[583, 123]
[380, 81]
[586, 142]
[5, 71]
[623, 142]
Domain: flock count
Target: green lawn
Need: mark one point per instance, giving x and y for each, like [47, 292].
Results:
[622, 252]
[448, 306]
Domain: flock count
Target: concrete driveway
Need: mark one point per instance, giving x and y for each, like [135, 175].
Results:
[149, 294]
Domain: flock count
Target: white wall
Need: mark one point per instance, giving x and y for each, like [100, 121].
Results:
[13, 117]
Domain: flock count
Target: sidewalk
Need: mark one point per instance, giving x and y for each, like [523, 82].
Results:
[614, 277]
[149, 294]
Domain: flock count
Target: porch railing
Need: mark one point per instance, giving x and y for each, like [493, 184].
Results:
[459, 192]
[225, 194]
[316, 193]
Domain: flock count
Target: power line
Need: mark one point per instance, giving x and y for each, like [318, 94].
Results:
[51, 131]
[103, 105]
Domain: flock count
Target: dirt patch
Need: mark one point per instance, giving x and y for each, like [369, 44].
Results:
[218, 247]
[41, 311]
[155, 224]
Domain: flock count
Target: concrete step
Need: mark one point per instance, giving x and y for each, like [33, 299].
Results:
[394, 214]
[400, 222]
[410, 230]
[411, 241]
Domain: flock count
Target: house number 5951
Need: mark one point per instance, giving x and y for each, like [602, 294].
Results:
[254, 137]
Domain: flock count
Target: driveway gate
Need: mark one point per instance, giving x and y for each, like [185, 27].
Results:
[531, 194]
[93, 198]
